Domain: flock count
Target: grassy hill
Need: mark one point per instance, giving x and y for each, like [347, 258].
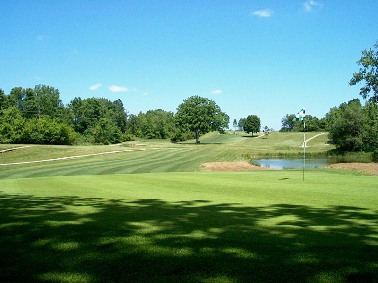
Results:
[154, 156]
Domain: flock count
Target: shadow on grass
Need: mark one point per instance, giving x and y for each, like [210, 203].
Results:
[71, 239]
[250, 136]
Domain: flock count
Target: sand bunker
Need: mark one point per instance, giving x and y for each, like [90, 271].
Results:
[231, 166]
[368, 168]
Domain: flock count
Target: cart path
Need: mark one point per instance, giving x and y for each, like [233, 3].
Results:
[70, 157]
[314, 137]
[14, 148]
[306, 141]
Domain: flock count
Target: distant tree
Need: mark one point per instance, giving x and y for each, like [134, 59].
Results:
[331, 115]
[93, 117]
[235, 124]
[119, 115]
[323, 124]
[288, 123]
[154, 124]
[16, 97]
[11, 125]
[312, 124]
[106, 132]
[252, 124]
[347, 129]
[370, 127]
[47, 130]
[42, 100]
[266, 131]
[200, 116]
[241, 124]
[46, 101]
[3, 100]
[368, 73]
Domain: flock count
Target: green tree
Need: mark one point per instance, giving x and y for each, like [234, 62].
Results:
[288, 123]
[16, 97]
[119, 115]
[47, 130]
[11, 125]
[368, 73]
[87, 113]
[312, 124]
[252, 124]
[347, 129]
[241, 124]
[200, 116]
[106, 132]
[370, 127]
[3, 100]
[235, 124]
[47, 101]
[154, 124]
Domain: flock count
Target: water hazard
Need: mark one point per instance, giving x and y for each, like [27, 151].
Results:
[292, 163]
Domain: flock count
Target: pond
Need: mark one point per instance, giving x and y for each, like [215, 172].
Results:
[292, 163]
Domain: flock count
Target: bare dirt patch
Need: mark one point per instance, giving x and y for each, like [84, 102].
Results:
[231, 166]
[368, 168]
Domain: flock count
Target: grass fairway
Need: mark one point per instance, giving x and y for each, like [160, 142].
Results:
[261, 226]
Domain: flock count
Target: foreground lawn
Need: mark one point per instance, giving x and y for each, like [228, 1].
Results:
[190, 227]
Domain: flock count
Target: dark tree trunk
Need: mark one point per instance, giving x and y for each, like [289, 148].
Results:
[197, 136]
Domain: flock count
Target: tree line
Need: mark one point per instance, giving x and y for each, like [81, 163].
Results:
[38, 116]
[351, 126]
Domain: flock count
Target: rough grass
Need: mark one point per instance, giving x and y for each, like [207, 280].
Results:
[190, 227]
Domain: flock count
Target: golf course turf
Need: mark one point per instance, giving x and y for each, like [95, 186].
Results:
[255, 226]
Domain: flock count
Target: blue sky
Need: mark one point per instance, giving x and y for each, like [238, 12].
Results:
[263, 57]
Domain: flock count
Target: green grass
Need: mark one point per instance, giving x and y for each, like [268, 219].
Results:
[156, 156]
[148, 214]
[197, 227]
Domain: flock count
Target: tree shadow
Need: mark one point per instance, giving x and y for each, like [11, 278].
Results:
[252, 136]
[73, 239]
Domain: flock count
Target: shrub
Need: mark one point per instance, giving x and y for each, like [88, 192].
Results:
[375, 156]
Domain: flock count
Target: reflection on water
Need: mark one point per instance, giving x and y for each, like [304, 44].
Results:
[291, 163]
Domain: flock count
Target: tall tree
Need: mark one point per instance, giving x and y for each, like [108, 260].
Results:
[11, 125]
[3, 100]
[241, 124]
[47, 101]
[119, 115]
[16, 97]
[347, 129]
[154, 124]
[371, 126]
[288, 123]
[200, 116]
[368, 73]
[252, 124]
[235, 124]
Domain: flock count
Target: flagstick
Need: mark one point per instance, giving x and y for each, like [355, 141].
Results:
[304, 147]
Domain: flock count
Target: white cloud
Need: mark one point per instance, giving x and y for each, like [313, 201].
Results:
[309, 5]
[95, 87]
[216, 91]
[117, 88]
[263, 13]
